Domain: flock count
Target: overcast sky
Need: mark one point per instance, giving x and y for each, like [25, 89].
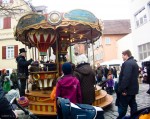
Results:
[103, 9]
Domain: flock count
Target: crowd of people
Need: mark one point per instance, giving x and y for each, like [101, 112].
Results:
[77, 83]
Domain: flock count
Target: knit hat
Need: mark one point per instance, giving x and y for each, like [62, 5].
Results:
[3, 71]
[66, 68]
[81, 59]
[23, 101]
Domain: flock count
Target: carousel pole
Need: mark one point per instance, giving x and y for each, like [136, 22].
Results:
[93, 51]
[57, 56]
[70, 54]
[70, 48]
[33, 54]
[27, 79]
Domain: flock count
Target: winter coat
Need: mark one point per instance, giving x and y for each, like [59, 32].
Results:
[22, 64]
[110, 83]
[4, 104]
[86, 76]
[128, 79]
[99, 72]
[69, 87]
[13, 77]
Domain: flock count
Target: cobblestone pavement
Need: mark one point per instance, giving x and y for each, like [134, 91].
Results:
[143, 100]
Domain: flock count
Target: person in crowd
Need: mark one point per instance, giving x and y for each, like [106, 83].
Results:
[6, 111]
[128, 85]
[110, 84]
[106, 71]
[99, 73]
[14, 79]
[5, 81]
[3, 75]
[22, 65]
[68, 86]
[86, 76]
[114, 72]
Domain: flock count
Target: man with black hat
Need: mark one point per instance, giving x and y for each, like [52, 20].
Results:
[22, 65]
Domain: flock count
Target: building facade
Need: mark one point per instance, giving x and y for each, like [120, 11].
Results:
[140, 22]
[106, 48]
[9, 47]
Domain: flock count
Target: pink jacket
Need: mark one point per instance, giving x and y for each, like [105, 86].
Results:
[69, 87]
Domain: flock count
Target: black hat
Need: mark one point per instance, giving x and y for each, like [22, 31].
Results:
[22, 50]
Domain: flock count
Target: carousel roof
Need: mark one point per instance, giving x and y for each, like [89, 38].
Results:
[74, 26]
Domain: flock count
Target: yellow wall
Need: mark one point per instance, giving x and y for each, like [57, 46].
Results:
[7, 35]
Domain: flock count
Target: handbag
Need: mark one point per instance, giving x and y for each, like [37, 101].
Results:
[21, 76]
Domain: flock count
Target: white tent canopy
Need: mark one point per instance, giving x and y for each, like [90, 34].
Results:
[112, 62]
[146, 59]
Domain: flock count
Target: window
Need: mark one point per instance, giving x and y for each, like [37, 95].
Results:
[5, 23]
[6, 1]
[107, 41]
[9, 52]
[140, 17]
[144, 51]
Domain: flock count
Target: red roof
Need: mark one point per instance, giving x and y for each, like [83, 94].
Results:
[117, 27]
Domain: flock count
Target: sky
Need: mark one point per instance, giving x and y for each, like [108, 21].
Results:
[102, 9]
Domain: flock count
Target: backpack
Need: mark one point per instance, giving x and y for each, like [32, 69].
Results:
[68, 110]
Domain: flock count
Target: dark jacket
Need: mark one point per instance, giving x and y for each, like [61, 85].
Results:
[86, 76]
[128, 79]
[22, 64]
[4, 104]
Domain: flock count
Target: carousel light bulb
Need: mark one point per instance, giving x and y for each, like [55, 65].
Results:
[67, 38]
[66, 31]
[62, 38]
[81, 36]
[70, 40]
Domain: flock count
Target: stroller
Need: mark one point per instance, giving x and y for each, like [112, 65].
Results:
[26, 111]
[140, 114]
[68, 110]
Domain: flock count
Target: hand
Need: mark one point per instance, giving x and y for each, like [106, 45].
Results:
[124, 94]
[15, 114]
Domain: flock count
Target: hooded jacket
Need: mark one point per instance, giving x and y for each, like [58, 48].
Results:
[86, 76]
[69, 87]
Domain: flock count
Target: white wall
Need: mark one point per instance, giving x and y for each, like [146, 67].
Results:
[140, 35]
[125, 43]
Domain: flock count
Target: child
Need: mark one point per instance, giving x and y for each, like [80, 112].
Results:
[68, 86]
[110, 84]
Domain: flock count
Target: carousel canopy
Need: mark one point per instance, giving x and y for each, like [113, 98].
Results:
[74, 26]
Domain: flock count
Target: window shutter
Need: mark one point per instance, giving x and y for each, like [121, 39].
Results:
[3, 52]
[11, 1]
[7, 23]
[15, 51]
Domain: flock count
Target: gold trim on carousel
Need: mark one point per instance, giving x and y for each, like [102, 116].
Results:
[46, 25]
[36, 77]
[32, 98]
[42, 100]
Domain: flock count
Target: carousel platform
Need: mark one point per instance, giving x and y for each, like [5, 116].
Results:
[41, 104]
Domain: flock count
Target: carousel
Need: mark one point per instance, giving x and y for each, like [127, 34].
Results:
[56, 31]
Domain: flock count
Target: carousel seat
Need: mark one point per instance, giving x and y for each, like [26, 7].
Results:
[51, 66]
